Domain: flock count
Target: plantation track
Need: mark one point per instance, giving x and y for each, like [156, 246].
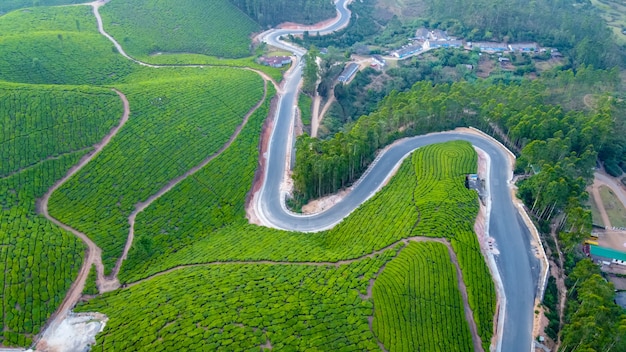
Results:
[139, 207]
[93, 255]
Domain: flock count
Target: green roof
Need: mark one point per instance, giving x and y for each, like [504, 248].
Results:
[607, 253]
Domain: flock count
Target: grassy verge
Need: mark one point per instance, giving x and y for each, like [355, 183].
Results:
[614, 208]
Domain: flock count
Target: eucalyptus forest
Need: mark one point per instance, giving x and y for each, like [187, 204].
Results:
[135, 148]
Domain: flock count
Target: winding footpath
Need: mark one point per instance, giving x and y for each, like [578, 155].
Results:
[93, 255]
[141, 206]
[96, 5]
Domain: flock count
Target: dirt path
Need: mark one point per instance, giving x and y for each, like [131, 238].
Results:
[318, 116]
[315, 110]
[141, 206]
[93, 255]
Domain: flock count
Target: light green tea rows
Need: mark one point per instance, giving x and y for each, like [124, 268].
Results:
[418, 306]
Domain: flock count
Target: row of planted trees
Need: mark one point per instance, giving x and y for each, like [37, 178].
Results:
[545, 133]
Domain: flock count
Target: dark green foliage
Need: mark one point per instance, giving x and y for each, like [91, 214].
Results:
[273, 12]
[551, 301]
[612, 168]
[45, 130]
[594, 321]
[310, 73]
[209, 27]
[90, 286]
[304, 104]
[417, 302]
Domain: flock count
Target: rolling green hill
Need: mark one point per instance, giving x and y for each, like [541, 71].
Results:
[57, 45]
[146, 27]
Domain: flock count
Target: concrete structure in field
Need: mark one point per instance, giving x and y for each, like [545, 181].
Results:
[348, 72]
[407, 51]
[275, 61]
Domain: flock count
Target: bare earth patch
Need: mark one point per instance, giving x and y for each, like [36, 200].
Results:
[76, 333]
[319, 205]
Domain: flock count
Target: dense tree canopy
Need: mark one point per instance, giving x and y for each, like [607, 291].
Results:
[596, 323]
[273, 12]
[558, 148]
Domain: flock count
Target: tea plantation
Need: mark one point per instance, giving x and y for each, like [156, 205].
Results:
[199, 275]
[148, 27]
[44, 131]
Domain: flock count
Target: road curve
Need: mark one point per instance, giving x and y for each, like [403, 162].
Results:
[516, 262]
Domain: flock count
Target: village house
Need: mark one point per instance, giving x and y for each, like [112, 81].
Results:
[275, 61]
[438, 34]
[378, 61]
[607, 256]
[422, 34]
[407, 51]
[348, 72]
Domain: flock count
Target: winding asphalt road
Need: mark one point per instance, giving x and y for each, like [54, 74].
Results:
[518, 267]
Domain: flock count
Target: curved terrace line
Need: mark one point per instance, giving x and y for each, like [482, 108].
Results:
[35, 164]
[93, 255]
